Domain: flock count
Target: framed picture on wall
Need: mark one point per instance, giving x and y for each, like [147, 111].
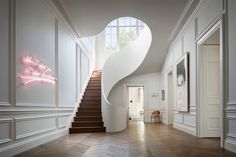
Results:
[162, 94]
[182, 83]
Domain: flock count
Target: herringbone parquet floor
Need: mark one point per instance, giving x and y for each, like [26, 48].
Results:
[138, 140]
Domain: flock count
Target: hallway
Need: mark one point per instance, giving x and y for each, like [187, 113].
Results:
[138, 140]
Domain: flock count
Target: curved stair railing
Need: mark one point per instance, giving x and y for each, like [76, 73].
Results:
[118, 66]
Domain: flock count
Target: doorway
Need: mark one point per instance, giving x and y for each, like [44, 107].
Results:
[136, 103]
[170, 90]
[210, 84]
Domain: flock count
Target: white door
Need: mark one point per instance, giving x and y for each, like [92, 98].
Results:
[211, 90]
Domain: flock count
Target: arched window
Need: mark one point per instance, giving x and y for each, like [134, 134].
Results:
[121, 32]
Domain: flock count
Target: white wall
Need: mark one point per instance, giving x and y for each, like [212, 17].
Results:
[4, 49]
[207, 13]
[66, 68]
[119, 99]
[230, 121]
[204, 16]
[35, 113]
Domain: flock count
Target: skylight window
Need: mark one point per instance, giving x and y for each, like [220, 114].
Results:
[120, 32]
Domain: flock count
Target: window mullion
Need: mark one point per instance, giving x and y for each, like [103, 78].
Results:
[118, 34]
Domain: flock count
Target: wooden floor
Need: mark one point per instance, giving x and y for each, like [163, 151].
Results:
[138, 140]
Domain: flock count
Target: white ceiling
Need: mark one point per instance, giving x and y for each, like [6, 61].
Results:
[90, 17]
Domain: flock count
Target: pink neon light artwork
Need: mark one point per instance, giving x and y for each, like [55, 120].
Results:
[35, 71]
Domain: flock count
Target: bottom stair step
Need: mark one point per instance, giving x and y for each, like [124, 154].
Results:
[87, 129]
[87, 124]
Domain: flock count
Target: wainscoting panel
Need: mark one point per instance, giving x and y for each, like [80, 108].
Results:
[6, 130]
[178, 118]
[63, 120]
[190, 120]
[29, 126]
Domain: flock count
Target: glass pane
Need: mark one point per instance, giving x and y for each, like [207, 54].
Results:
[140, 29]
[108, 30]
[127, 29]
[127, 21]
[121, 30]
[114, 42]
[121, 21]
[133, 33]
[107, 41]
[114, 30]
[133, 22]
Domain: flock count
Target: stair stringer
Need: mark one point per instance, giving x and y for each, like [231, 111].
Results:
[118, 66]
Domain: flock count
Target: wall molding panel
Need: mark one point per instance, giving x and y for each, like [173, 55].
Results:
[63, 120]
[185, 128]
[32, 115]
[6, 125]
[24, 124]
[34, 105]
[2, 104]
[18, 147]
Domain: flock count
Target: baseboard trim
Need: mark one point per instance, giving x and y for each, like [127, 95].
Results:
[230, 145]
[17, 148]
[185, 128]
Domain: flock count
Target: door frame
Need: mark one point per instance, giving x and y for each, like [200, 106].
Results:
[126, 98]
[170, 71]
[200, 107]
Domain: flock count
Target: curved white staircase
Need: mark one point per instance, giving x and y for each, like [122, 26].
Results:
[118, 66]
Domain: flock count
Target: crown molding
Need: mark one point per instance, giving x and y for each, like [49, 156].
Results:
[186, 13]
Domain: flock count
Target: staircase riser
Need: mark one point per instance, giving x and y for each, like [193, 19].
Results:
[94, 85]
[88, 110]
[89, 105]
[85, 131]
[89, 87]
[87, 124]
[90, 101]
[88, 114]
[92, 95]
[92, 92]
[83, 105]
[88, 119]
[91, 98]
[95, 79]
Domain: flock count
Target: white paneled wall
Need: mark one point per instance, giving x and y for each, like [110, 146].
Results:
[230, 108]
[38, 112]
[6, 130]
[66, 68]
[29, 126]
[84, 68]
[204, 16]
[208, 13]
[35, 37]
[4, 49]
